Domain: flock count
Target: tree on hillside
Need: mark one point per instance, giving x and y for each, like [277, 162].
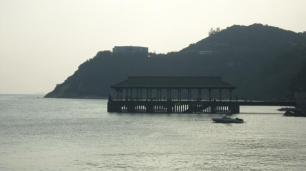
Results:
[214, 31]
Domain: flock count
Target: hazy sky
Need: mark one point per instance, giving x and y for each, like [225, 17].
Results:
[43, 41]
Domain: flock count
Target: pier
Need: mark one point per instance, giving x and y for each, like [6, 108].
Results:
[157, 94]
[267, 103]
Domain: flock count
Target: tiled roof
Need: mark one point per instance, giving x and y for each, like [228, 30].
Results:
[173, 82]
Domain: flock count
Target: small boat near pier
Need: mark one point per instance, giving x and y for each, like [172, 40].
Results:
[227, 119]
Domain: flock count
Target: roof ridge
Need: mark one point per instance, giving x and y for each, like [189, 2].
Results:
[174, 76]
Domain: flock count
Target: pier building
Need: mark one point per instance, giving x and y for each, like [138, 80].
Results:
[172, 94]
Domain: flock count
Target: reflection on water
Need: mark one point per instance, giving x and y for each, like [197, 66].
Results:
[70, 134]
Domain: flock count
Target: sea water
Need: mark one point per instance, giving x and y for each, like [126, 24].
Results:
[73, 134]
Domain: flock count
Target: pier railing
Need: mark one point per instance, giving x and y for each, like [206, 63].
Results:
[152, 105]
[172, 106]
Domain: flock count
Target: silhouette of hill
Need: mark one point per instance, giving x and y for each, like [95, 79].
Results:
[264, 62]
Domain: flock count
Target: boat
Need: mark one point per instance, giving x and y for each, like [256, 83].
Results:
[295, 112]
[226, 119]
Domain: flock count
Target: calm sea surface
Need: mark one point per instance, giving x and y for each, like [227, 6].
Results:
[72, 135]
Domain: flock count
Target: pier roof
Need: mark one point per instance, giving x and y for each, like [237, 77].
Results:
[173, 82]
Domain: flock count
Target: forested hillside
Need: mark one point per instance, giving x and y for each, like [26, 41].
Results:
[264, 62]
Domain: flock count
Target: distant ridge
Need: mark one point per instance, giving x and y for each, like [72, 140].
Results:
[262, 61]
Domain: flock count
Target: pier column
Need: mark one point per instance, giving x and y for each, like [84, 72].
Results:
[127, 94]
[147, 94]
[124, 93]
[141, 95]
[213, 106]
[179, 94]
[209, 94]
[118, 93]
[189, 94]
[159, 94]
[137, 93]
[169, 107]
[121, 94]
[169, 94]
[132, 93]
[199, 94]
[149, 107]
[150, 93]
